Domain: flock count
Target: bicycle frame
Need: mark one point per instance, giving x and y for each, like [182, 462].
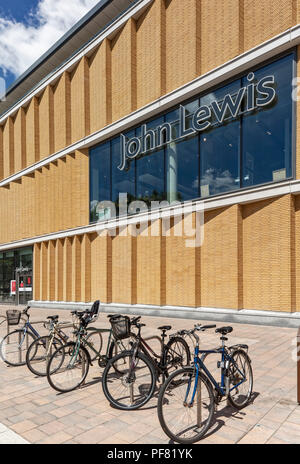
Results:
[28, 328]
[199, 365]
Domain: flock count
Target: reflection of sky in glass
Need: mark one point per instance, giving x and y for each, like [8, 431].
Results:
[220, 159]
[267, 133]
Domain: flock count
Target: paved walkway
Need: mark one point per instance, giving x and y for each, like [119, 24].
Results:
[30, 411]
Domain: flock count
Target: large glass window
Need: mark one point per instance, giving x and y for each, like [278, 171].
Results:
[100, 179]
[150, 170]
[236, 136]
[267, 133]
[123, 182]
[182, 158]
[220, 148]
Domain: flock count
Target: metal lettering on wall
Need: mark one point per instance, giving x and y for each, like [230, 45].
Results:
[249, 98]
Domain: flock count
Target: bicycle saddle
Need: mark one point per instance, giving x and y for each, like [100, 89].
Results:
[224, 330]
[165, 327]
[52, 318]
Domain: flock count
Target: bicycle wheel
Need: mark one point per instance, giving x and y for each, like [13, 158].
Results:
[96, 340]
[133, 387]
[3, 326]
[177, 355]
[14, 346]
[179, 420]
[39, 353]
[239, 369]
[68, 367]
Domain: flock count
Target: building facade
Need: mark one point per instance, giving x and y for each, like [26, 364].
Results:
[193, 102]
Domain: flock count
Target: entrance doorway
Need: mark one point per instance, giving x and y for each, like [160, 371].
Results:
[23, 286]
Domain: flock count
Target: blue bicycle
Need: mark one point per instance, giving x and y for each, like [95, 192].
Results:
[188, 398]
[14, 345]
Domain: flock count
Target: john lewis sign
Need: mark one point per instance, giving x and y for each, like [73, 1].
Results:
[249, 98]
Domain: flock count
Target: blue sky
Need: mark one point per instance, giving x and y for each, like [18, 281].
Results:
[18, 10]
[28, 28]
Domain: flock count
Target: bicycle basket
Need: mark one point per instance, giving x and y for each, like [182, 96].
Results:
[13, 316]
[120, 327]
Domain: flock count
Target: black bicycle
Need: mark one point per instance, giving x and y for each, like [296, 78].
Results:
[132, 386]
[69, 365]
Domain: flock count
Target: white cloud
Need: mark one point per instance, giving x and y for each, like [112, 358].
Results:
[22, 44]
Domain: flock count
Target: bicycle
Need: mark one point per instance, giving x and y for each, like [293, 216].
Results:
[15, 344]
[187, 400]
[134, 386]
[41, 349]
[79, 355]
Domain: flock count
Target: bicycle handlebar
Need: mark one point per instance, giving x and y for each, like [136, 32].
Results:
[25, 310]
[197, 328]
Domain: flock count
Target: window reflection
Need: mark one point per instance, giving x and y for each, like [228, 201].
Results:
[267, 133]
[100, 178]
[151, 170]
[123, 182]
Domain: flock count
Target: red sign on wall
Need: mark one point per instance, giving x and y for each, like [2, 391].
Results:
[13, 287]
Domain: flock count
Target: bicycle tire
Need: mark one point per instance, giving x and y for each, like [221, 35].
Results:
[110, 373]
[176, 358]
[163, 400]
[234, 379]
[54, 377]
[7, 342]
[31, 359]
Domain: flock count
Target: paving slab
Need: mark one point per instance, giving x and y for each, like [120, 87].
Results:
[31, 412]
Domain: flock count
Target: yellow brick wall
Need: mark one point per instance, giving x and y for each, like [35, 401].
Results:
[219, 259]
[80, 114]
[32, 132]
[249, 259]
[182, 42]
[220, 27]
[150, 278]
[62, 113]
[20, 140]
[267, 248]
[53, 198]
[265, 19]
[1, 153]
[123, 274]
[8, 148]
[101, 262]
[123, 71]
[100, 87]
[151, 60]
[182, 265]
[46, 122]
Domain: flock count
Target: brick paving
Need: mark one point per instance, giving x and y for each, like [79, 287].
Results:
[31, 412]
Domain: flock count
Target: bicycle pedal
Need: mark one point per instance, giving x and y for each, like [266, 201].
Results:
[102, 361]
